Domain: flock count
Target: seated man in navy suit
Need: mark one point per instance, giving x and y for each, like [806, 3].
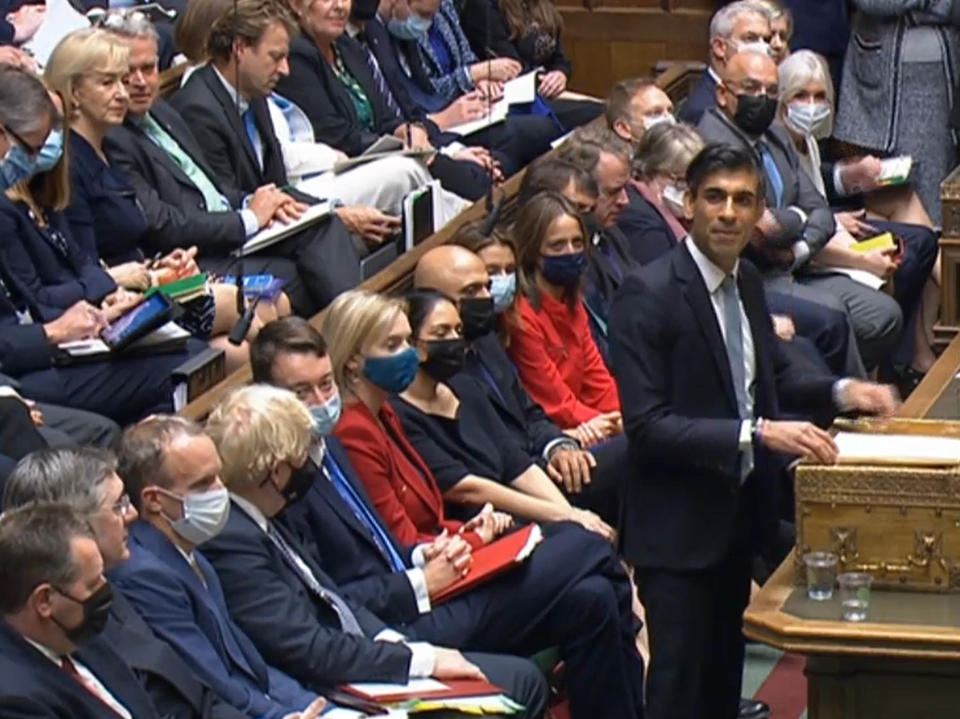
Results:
[86, 479]
[55, 602]
[571, 593]
[741, 25]
[182, 504]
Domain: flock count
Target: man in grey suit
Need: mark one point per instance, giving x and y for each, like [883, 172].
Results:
[797, 225]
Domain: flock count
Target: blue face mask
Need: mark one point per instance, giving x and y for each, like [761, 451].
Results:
[393, 373]
[16, 166]
[503, 288]
[51, 152]
[564, 270]
[326, 415]
[411, 28]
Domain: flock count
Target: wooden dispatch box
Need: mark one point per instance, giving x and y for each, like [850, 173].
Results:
[899, 523]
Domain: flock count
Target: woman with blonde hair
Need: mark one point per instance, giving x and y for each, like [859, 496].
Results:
[86, 69]
[806, 111]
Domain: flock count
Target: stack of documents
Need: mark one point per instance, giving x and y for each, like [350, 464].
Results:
[518, 91]
[897, 449]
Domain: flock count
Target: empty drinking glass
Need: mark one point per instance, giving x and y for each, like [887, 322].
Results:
[855, 595]
[821, 574]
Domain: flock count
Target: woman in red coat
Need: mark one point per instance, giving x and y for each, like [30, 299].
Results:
[368, 339]
[550, 340]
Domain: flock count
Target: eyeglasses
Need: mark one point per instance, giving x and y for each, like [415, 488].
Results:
[31, 150]
[123, 506]
[751, 87]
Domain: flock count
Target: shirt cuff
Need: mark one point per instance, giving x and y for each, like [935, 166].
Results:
[389, 635]
[839, 394]
[745, 440]
[423, 659]
[452, 148]
[799, 213]
[467, 78]
[416, 556]
[555, 444]
[418, 582]
[801, 253]
[251, 225]
[838, 180]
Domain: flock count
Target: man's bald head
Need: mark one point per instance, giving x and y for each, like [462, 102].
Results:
[752, 75]
[453, 270]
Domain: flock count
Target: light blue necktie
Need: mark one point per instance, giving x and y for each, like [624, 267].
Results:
[733, 335]
[250, 123]
[773, 173]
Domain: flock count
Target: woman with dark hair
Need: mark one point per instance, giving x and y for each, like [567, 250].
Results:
[499, 254]
[453, 426]
[550, 339]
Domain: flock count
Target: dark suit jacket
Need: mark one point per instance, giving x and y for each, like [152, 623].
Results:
[176, 692]
[18, 434]
[33, 686]
[486, 28]
[194, 620]
[703, 97]
[23, 347]
[344, 548]
[56, 278]
[798, 190]
[684, 506]
[295, 629]
[212, 115]
[520, 414]
[105, 219]
[314, 86]
[175, 209]
[648, 234]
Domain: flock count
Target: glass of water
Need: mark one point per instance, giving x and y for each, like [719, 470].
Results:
[855, 595]
[821, 574]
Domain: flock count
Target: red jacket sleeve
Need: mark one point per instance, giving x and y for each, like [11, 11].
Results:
[368, 454]
[539, 372]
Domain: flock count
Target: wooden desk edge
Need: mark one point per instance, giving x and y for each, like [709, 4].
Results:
[766, 622]
[918, 404]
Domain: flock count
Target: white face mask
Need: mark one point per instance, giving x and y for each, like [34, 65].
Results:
[651, 120]
[672, 196]
[808, 118]
[204, 514]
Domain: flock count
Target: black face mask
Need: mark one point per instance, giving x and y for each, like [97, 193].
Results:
[364, 10]
[300, 481]
[477, 316]
[755, 113]
[96, 611]
[444, 358]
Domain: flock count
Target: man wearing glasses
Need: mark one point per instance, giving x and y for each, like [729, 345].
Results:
[86, 479]
[797, 223]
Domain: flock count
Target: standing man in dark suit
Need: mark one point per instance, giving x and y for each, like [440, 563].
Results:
[55, 602]
[86, 479]
[741, 25]
[700, 376]
[185, 205]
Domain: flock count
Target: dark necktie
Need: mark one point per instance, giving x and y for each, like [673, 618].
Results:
[772, 172]
[348, 621]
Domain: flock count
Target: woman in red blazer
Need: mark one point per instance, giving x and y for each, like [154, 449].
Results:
[368, 339]
[550, 340]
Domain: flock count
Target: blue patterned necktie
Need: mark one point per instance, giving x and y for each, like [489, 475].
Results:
[772, 172]
[381, 82]
[250, 123]
[733, 338]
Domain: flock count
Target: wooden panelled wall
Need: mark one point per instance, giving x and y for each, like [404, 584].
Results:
[609, 40]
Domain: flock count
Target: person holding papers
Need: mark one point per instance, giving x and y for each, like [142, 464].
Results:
[570, 591]
[296, 614]
[806, 109]
[85, 69]
[185, 205]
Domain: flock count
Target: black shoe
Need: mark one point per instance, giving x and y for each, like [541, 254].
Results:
[750, 709]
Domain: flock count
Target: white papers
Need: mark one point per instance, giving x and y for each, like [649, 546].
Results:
[536, 536]
[278, 231]
[520, 90]
[895, 170]
[862, 276]
[898, 449]
[89, 348]
[560, 140]
[414, 686]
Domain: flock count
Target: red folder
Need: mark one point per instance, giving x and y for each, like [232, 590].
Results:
[494, 559]
[452, 688]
